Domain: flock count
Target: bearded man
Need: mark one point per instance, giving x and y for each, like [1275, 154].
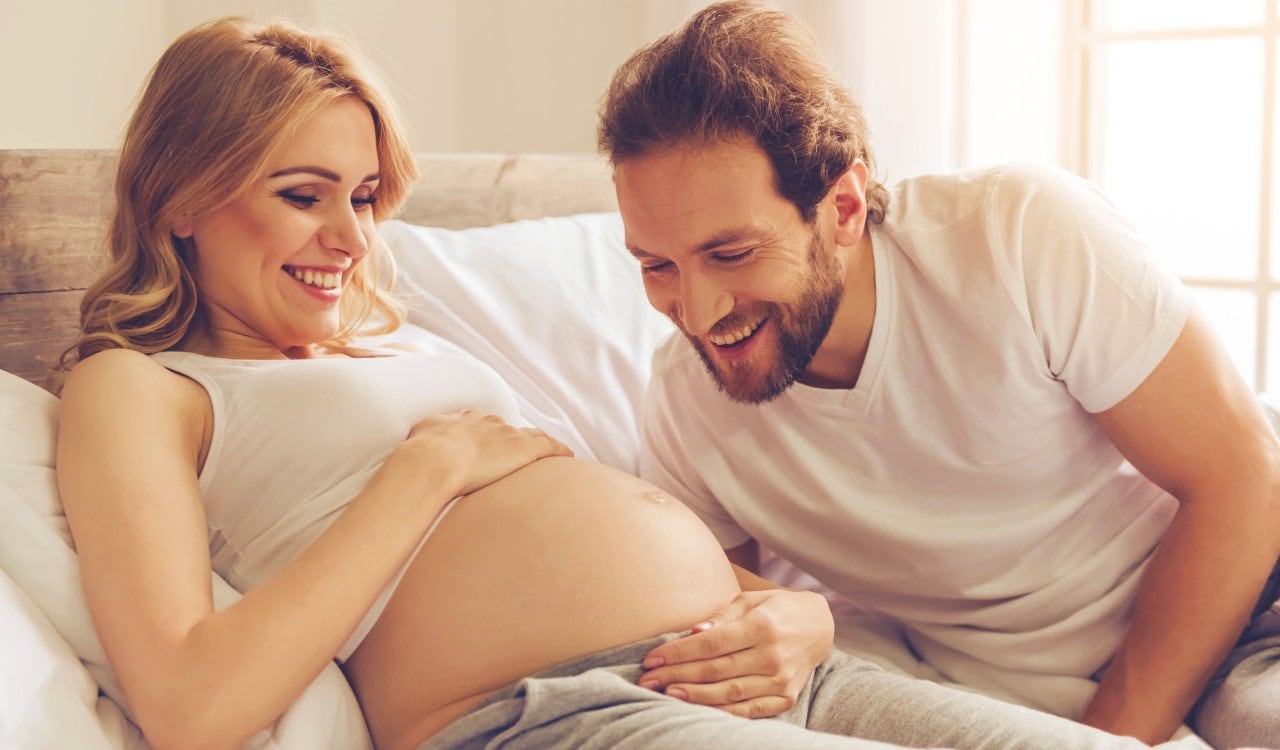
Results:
[972, 405]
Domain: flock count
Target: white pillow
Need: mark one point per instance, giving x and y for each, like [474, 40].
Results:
[556, 306]
[36, 552]
[43, 686]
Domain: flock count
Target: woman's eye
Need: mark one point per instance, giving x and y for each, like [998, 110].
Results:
[655, 267]
[361, 203]
[301, 201]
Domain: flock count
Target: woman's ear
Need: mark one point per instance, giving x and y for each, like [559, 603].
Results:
[184, 226]
[849, 195]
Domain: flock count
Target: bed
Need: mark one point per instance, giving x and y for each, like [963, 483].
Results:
[516, 259]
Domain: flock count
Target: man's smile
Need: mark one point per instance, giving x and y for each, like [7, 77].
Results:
[736, 336]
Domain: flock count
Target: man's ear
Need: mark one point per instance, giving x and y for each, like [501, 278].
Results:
[849, 196]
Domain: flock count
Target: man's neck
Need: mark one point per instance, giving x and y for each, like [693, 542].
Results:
[839, 360]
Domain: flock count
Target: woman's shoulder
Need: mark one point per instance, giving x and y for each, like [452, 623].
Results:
[123, 376]
[115, 361]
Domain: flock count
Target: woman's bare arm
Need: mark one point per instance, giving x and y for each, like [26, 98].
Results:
[127, 458]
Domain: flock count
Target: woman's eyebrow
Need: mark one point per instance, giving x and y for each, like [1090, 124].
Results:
[327, 174]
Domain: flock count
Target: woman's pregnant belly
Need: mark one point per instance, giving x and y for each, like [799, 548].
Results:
[557, 560]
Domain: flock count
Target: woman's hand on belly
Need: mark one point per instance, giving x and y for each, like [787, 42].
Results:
[465, 451]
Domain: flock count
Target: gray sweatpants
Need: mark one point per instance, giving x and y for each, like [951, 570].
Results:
[849, 703]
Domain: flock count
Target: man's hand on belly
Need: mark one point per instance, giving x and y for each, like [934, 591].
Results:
[751, 658]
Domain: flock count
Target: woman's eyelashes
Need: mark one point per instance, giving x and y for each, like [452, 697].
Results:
[297, 199]
[304, 201]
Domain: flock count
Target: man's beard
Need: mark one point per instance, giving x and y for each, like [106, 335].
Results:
[801, 327]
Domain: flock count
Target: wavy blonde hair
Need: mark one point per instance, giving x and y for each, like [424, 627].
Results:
[222, 100]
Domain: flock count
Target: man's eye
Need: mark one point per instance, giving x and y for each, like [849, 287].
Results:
[654, 267]
[301, 201]
[735, 257]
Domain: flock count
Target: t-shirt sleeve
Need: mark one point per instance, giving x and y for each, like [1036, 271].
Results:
[667, 459]
[1101, 305]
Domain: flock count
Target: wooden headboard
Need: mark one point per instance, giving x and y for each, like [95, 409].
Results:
[54, 207]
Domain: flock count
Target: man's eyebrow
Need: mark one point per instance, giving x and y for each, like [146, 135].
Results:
[327, 174]
[730, 236]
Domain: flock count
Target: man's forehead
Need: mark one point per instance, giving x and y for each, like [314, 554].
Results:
[680, 191]
[697, 197]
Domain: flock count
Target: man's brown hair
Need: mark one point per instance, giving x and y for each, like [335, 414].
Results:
[737, 69]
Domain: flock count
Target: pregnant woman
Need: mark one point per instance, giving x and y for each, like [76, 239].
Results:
[474, 580]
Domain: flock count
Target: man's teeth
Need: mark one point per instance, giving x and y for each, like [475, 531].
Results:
[320, 280]
[729, 339]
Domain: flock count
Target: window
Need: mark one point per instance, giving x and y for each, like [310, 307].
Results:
[1178, 125]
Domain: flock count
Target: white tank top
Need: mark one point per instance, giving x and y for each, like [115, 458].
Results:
[294, 441]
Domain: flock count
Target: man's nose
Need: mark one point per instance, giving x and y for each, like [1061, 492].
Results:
[703, 303]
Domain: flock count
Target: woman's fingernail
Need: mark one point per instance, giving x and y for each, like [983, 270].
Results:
[677, 693]
[652, 662]
[703, 626]
[649, 684]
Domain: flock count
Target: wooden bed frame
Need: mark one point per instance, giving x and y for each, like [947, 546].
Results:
[54, 206]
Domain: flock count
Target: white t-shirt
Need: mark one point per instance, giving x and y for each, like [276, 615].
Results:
[962, 487]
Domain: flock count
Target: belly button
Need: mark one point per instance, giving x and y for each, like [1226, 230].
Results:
[656, 496]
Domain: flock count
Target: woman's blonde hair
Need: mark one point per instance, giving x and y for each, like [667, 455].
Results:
[220, 102]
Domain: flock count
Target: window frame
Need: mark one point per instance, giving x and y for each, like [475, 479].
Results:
[1084, 95]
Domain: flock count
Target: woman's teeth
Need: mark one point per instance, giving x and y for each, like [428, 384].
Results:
[316, 279]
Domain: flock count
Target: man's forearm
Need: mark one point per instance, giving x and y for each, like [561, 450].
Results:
[1195, 598]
